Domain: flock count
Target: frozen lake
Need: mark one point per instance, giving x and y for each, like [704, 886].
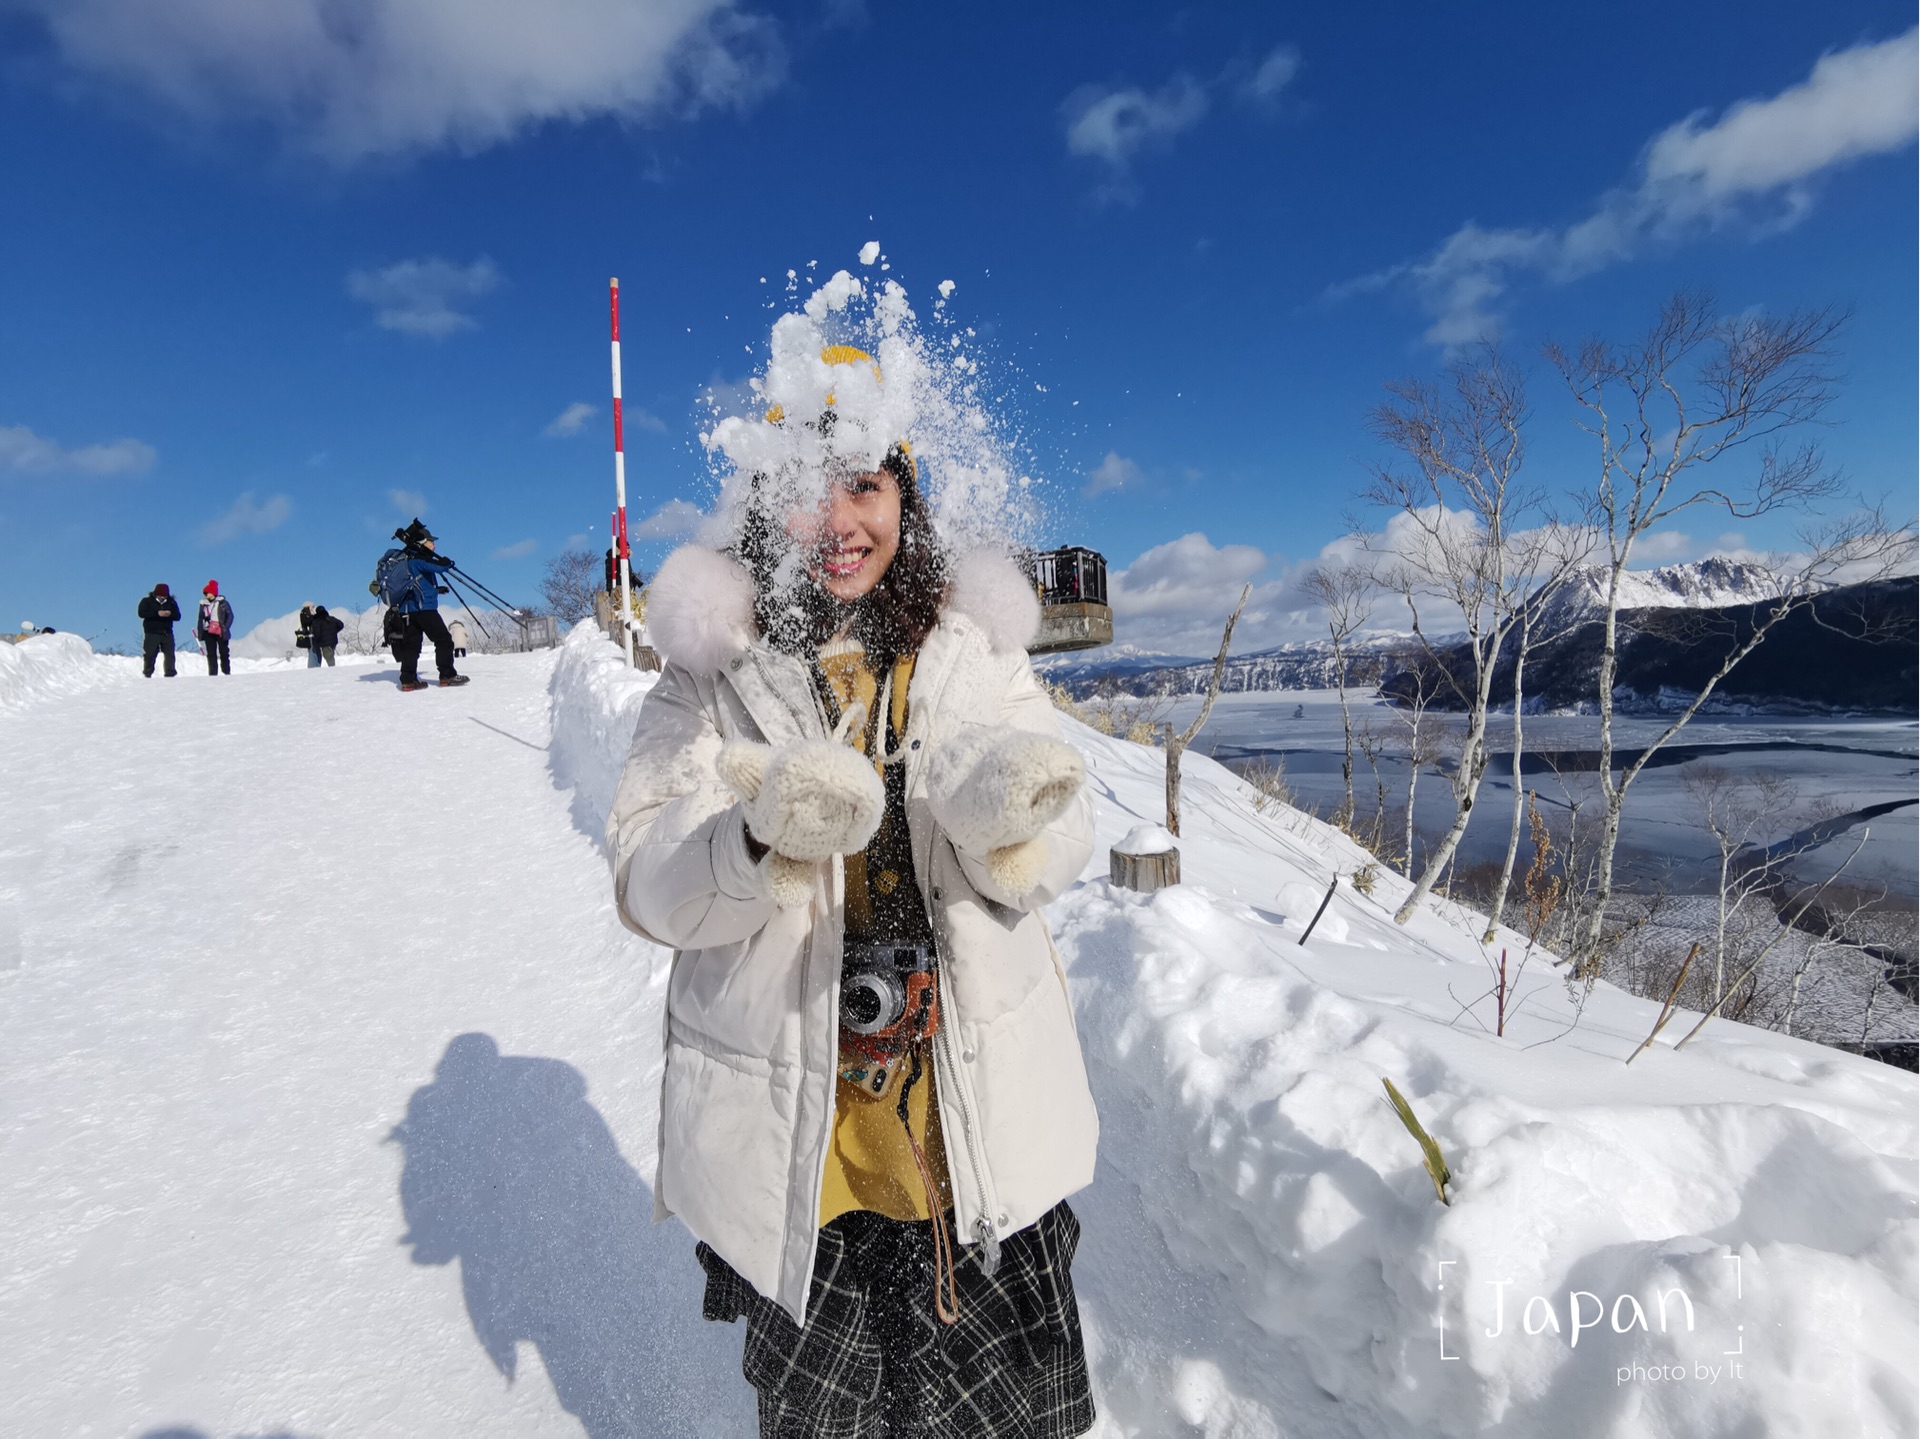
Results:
[1836, 766]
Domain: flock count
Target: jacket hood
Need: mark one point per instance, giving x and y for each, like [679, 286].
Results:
[700, 605]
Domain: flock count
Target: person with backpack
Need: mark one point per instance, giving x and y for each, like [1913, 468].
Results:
[303, 635]
[323, 634]
[846, 803]
[459, 632]
[408, 580]
[214, 629]
[158, 613]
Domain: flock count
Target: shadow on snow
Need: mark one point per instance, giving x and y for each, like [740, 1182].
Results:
[511, 1171]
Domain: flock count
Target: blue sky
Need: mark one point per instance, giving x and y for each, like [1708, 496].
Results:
[268, 291]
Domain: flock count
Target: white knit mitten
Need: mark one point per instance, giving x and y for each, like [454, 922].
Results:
[806, 802]
[995, 789]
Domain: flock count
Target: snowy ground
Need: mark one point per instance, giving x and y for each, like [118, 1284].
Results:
[330, 1084]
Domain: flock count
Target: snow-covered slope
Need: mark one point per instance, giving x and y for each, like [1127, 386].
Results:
[1263, 1252]
[331, 1086]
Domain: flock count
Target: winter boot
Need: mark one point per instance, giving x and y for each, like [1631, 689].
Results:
[454, 680]
[406, 685]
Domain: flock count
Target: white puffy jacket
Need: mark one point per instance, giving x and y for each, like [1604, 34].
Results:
[752, 1009]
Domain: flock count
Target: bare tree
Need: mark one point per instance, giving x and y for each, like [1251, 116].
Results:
[1737, 810]
[1178, 740]
[1471, 542]
[1416, 683]
[571, 580]
[1345, 593]
[363, 633]
[1664, 412]
[1541, 623]
[1372, 741]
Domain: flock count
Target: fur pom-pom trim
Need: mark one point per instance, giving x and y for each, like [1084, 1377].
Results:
[1017, 868]
[990, 589]
[700, 604]
[791, 881]
[700, 608]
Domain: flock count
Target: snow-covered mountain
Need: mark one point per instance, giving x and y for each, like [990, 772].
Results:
[1715, 582]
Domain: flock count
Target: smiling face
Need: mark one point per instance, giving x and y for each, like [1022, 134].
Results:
[854, 536]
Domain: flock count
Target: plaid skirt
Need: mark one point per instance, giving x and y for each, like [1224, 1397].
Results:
[874, 1360]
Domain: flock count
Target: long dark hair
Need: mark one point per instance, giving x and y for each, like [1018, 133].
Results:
[797, 614]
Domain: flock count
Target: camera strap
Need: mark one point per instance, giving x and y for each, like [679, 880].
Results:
[946, 1296]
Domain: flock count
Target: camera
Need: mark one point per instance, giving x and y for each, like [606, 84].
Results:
[889, 993]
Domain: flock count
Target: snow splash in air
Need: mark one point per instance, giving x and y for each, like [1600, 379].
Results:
[820, 412]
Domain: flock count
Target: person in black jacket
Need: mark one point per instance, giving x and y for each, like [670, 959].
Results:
[158, 612]
[323, 633]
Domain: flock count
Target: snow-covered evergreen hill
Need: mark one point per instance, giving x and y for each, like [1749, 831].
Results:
[1301, 665]
[1715, 1240]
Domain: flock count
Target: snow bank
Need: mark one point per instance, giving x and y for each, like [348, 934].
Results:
[1263, 1252]
[595, 699]
[55, 664]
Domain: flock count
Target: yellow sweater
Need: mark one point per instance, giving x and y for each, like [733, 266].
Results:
[870, 1165]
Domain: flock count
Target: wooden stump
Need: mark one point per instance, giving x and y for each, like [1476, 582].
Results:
[1144, 872]
[646, 657]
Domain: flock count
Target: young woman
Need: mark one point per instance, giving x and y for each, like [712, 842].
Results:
[846, 803]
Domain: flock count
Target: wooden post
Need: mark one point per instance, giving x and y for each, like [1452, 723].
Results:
[1144, 872]
[1146, 860]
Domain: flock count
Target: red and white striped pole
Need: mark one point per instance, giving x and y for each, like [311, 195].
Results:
[620, 492]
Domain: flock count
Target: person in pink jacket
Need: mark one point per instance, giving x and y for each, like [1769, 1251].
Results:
[213, 627]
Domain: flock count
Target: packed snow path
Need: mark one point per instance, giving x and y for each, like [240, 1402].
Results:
[328, 1085]
[252, 920]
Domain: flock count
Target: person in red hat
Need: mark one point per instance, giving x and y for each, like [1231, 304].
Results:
[214, 629]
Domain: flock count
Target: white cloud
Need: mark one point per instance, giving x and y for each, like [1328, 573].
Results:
[408, 502]
[22, 449]
[1177, 596]
[1115, 472]
[389, 77]
[570, 421]
[1111, 125]
[519, 549]
[424, 297]
[635, 418]
[1662, 546]
[1855, 103]
[1273, 74]
[672, 520]
[246, 516]
[1755, 166]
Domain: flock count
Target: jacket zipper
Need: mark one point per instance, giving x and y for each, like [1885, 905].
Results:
[987, 1236]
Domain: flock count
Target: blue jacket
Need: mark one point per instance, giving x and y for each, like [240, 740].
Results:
[421, 590]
